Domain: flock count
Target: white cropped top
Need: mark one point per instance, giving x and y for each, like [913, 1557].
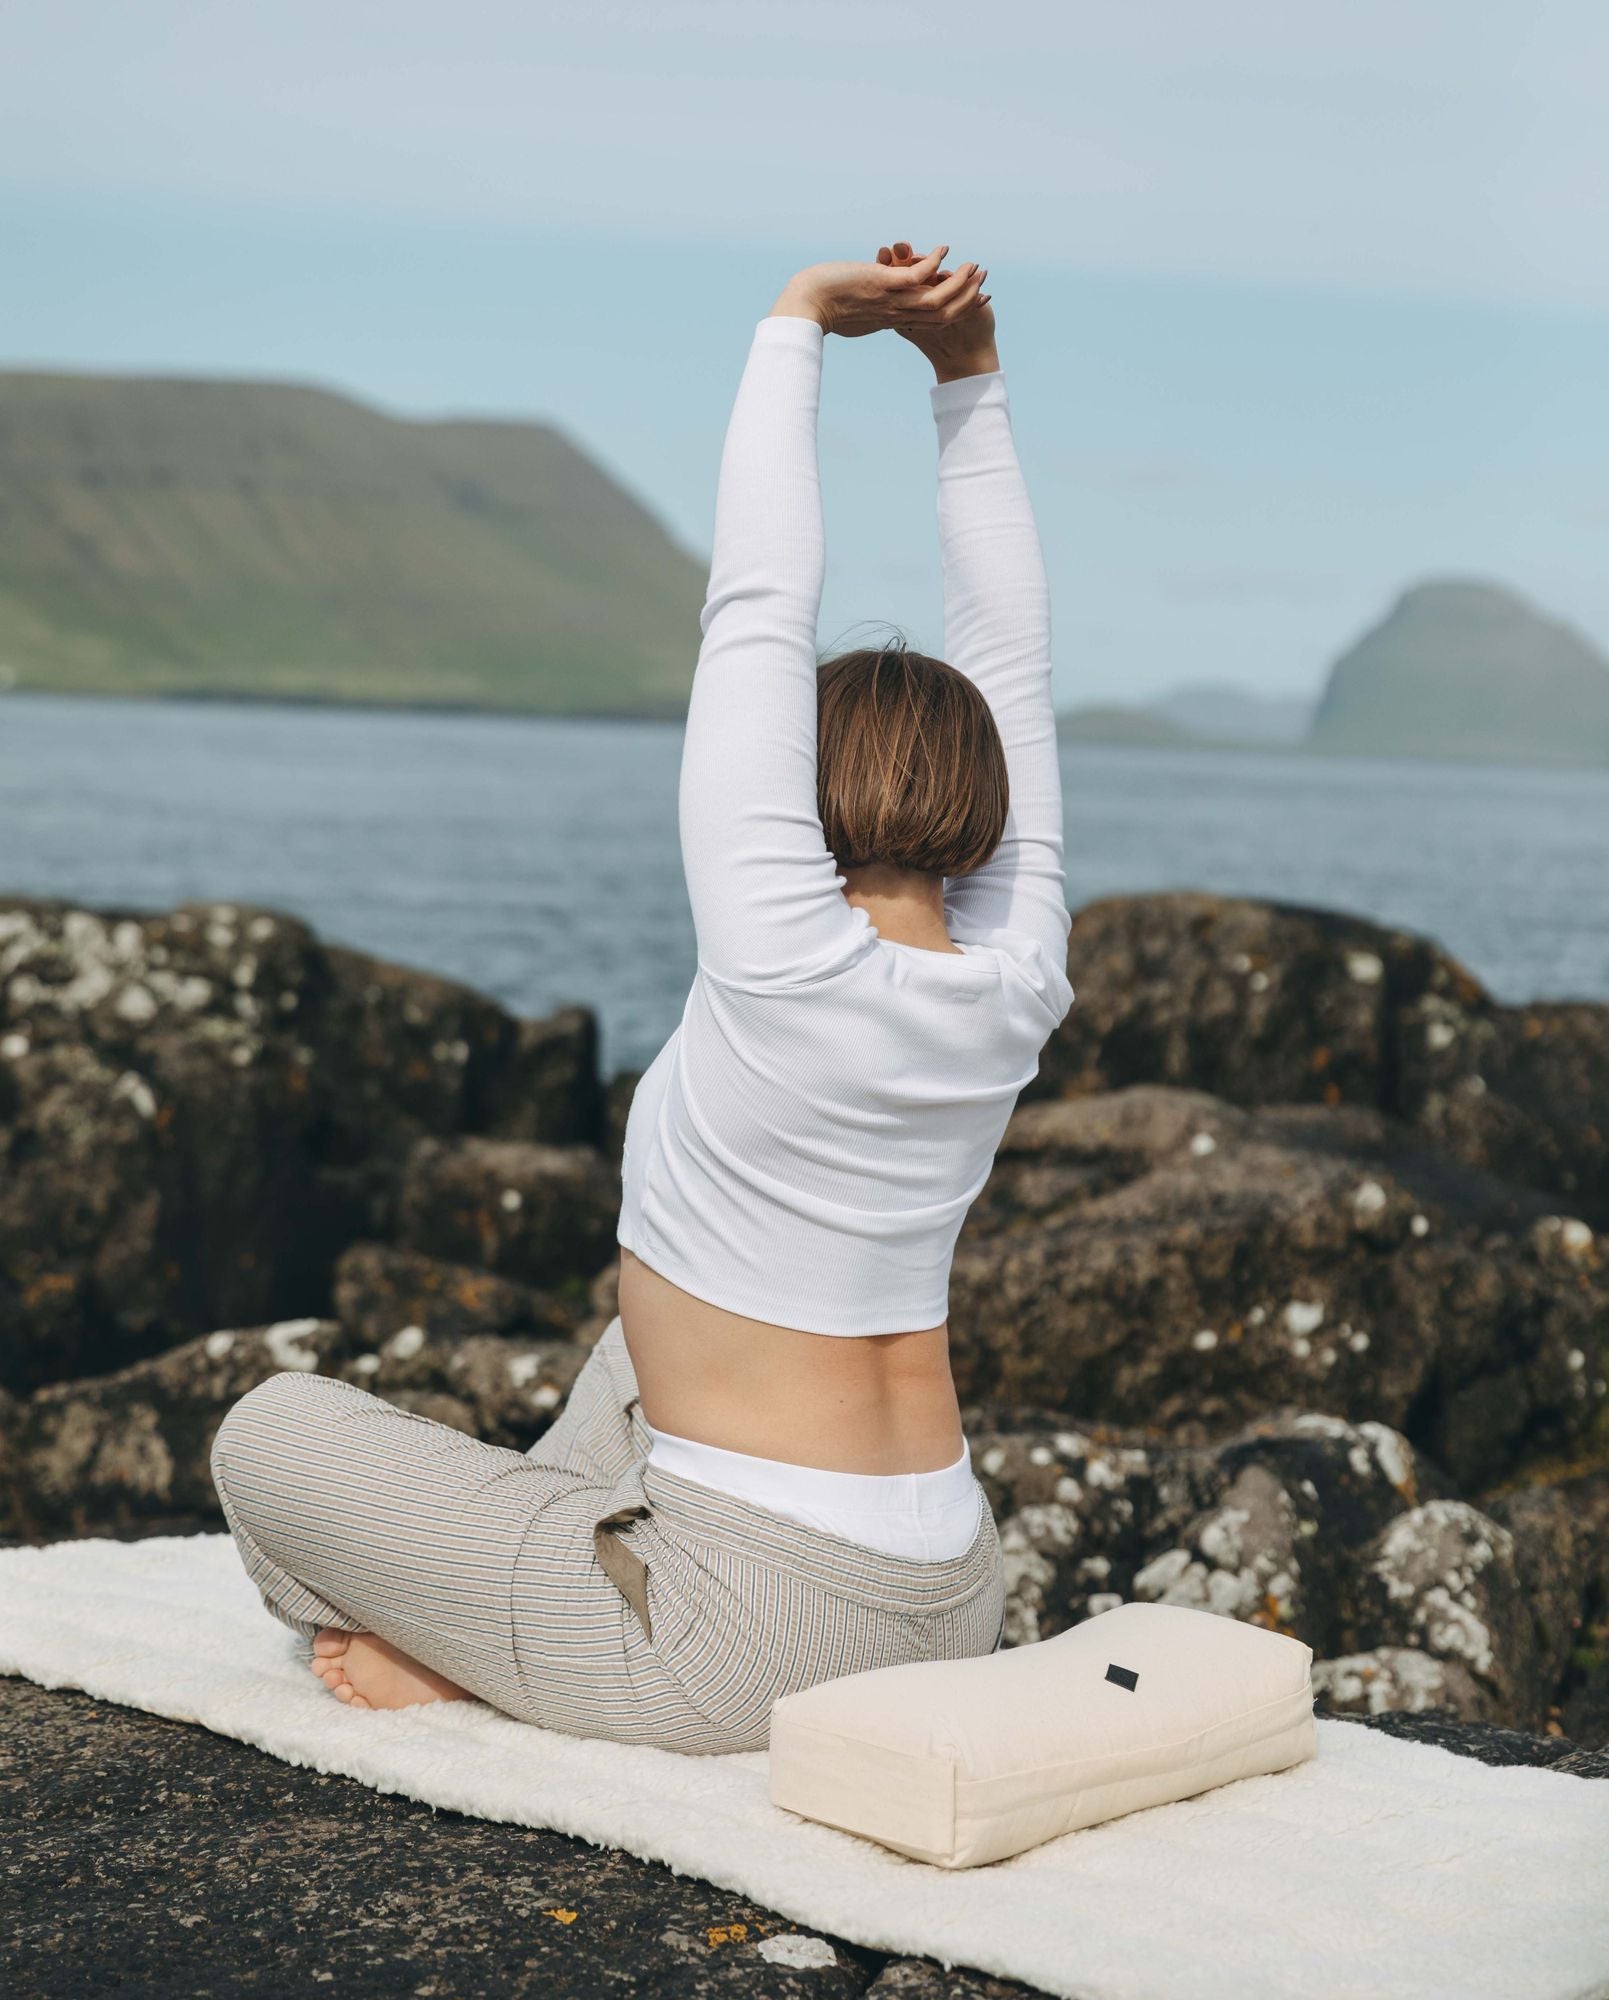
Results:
[805, 1147]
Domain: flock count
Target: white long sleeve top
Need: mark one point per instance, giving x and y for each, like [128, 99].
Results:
[805, 1147]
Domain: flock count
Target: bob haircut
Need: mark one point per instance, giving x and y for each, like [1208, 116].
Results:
[910, 769]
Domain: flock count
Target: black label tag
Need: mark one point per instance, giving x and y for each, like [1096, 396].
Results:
[1124, 1676]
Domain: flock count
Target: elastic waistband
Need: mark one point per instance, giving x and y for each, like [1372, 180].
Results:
[695, 1513]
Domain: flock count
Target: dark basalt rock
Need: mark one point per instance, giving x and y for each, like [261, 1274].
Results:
[537, 1214]
[1339, 1534]
[380, 1290]
[130, 1450]
[199, 1110]
[1160, 1256]
[151, 1858]
[1270, 1003]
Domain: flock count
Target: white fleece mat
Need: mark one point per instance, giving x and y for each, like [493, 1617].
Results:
[1381, 1870]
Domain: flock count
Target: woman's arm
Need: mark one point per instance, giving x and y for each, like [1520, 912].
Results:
[768, 903]
[997, 628]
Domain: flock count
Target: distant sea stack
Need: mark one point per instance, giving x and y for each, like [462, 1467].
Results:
[1464, 669]
[266, 540]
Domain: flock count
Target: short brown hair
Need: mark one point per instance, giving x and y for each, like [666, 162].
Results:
[910, 770]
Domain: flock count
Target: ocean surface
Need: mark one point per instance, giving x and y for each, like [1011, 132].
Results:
[537, 859]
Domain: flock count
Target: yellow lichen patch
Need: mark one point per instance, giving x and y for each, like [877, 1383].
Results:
[562, 1916]
[727, 1934]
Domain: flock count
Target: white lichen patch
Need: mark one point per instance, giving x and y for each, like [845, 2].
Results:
[284, 1343]
[1368, 1199]
[14, 1047]
[1104, 1600]
[1567, 1233]
[1420, 1225]
[1430, 1560]
[1258, 982]
[1220, 1537]
[1366, 967]
[260, 929]
[367, 1364]
[405, 1344]
[993, 1461]
[1303, 1316]
[1204, 1341]
[217, 1345]
[804, 1953]
[1041, 1455]
[1068, 1491]
[511, 1201]
[1048, 1526]
[1162, 1573]
[1071, 1444]
[1392, 1453]
[1388, 1680]
[1203, 1143]
[132, 1088]
[1440, 1035]
[136, 1004]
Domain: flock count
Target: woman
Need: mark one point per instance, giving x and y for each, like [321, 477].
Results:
[760, 1479]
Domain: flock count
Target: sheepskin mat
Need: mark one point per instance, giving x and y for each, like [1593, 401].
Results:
[1380, 1869]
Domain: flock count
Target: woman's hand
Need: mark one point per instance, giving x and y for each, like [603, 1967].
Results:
[962, 344]
[913, 296]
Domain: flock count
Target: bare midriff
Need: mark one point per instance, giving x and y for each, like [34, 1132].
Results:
[876, 1403]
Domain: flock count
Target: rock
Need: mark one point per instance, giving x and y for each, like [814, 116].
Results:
[199, 1110]
[1337, 1533]
[380, 1290]
[1442, 1580]
[552, 1093]
[1265, 1525]
[1560, 1529]
[622, 1089]
[1162, 1257]
[129, 1451]
[538, 1214]
[145, 1856]
[1269, 1003]
[1392, 1679]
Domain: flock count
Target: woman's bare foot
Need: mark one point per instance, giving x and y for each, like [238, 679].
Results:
[366, 1671]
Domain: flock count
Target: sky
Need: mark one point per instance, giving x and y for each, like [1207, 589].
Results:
[1298, 304]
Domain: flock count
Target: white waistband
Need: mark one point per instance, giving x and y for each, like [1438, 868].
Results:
[929, 1516]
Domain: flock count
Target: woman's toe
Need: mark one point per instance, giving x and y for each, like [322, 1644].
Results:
[345, 1692]
[330, 1644]
[358, 1702]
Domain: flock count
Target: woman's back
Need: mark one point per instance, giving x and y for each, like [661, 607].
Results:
[801, 1155]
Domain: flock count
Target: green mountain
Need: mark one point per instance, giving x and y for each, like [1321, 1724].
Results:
[1465, 669]
[1134, 728]
[261, 539]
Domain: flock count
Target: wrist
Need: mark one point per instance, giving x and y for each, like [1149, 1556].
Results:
[982, 361]
[799, 300]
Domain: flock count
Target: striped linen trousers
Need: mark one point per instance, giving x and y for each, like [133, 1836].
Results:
[575, 1586]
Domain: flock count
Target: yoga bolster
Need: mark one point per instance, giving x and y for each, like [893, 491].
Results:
[959, 1762]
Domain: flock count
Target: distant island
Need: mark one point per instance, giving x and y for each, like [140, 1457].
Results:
[268, 541]
[259, 539]
[1458, 668]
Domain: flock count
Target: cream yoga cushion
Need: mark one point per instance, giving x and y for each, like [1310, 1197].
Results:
[960, 1762]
